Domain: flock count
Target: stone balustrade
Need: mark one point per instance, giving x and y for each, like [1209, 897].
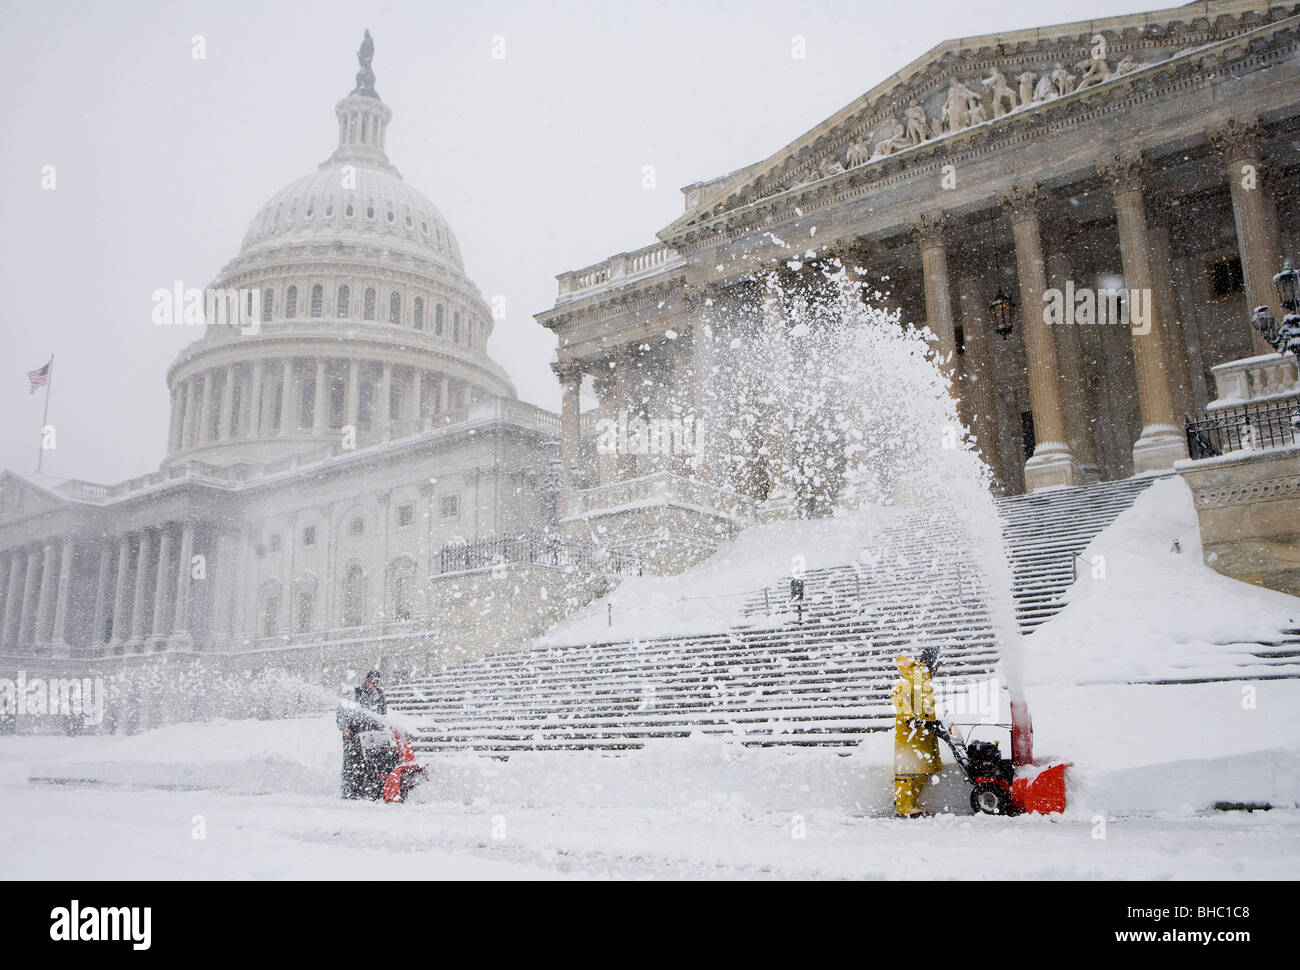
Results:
[1268, 377]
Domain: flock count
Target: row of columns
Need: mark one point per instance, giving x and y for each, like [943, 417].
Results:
[1065, 452]
[36, 582]
[199, 417]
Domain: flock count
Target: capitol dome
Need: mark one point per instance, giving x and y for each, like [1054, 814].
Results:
[364, 323]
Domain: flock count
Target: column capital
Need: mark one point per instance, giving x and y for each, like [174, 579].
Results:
[1022, 202]
[1123, 172]
[928, 229]
[568, 371]
[1237, 140]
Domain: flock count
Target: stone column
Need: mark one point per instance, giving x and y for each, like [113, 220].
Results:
[319, 400]
[13, 604]
[174, 427]
[187, 413]
[444, 394]
[1052, 462]
[1175, 329]
[27, 612]
[980, 377]
[45, 598]
[161, 575]
[703, 396]
[383, 412]
[100, 617]
[1255, 216]
[928, 231]
[570, 375]
[227, 405]
[223, 601]
[119, 591]
[205, 409]
[353, 399]
[417, 399]
[288, 400]
[254, 401]
[1162, 441]
[180, 638]
[57, 642]
[1070, 357]
[137, 600]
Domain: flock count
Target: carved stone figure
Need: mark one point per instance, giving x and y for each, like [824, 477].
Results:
[1098, 71]
[1002, 99]
[895, 140]
[858, 154]
[1045, 89]
[1126, 64]
[1062, 80]
[916, 126]
[962, 107]
[829, 167]
[1026, 87]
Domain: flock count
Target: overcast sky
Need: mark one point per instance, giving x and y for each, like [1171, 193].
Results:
[536, 160]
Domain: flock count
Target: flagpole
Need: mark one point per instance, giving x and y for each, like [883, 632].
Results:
[45, 420]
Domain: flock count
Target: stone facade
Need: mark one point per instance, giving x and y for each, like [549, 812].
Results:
[1154, 154]
[323, 447]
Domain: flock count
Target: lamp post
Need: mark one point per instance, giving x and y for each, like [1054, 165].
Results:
[1000, 310]
[1287, 283]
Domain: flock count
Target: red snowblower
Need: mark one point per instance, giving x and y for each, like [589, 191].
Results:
[390, 768]
[1001, 786]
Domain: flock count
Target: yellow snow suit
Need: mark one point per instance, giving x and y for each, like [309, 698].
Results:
[916, 749]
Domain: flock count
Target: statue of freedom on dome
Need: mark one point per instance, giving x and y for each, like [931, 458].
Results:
[365, 76]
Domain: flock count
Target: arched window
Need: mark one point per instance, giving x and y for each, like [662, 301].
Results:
[291, 302]
[455, 327]
[395, 309]
[437, 319]
[401, 584]
[370, 212]
[268, 301]
[317, 300]
[419, 313]
[348, 211]
[354, 596]
[368, 309]
[344, 296]
[304, 605]
[270, 609]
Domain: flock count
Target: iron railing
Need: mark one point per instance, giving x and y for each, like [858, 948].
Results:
[535, 550]
[1248, 426]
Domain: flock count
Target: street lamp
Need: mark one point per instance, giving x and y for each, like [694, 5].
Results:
[1287, 283]
[1001, 310]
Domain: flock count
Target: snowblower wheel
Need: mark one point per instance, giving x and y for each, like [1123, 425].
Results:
[990, 798]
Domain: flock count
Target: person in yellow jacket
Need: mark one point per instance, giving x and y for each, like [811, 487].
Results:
[916, 746]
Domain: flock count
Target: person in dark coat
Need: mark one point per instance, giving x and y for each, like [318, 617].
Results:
[356, 780]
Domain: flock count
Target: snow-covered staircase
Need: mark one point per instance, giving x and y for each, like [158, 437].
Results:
[823, 681]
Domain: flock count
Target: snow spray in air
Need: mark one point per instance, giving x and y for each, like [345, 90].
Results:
[834, 405]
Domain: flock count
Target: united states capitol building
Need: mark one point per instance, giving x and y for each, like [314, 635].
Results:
[321, 468]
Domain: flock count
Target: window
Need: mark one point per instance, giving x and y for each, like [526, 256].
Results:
[401, 580]
[274, 542]
[389, 216]
[455, 327]
[449, 507]
[304, 608]
[368, 309]
[270, 609]
[419, 313]
[409, 223]
[357, 527]
[437, 319]
[348, 210]
[306, 405]
[317, 300]
[329, 208]
[344, 296]
[354, 596]
[311, 207]
[1225, 277]
[370, 212]
[309, 535]
[405, 516]
[291, 302]
[959, 339]
[395, 309]
[268, 301]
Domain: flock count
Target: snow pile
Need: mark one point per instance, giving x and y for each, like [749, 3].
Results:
[1141, 611]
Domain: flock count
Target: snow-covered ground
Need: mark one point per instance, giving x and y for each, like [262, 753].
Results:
[1150, 762]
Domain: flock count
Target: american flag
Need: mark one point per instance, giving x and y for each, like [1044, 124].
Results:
[39, 378]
